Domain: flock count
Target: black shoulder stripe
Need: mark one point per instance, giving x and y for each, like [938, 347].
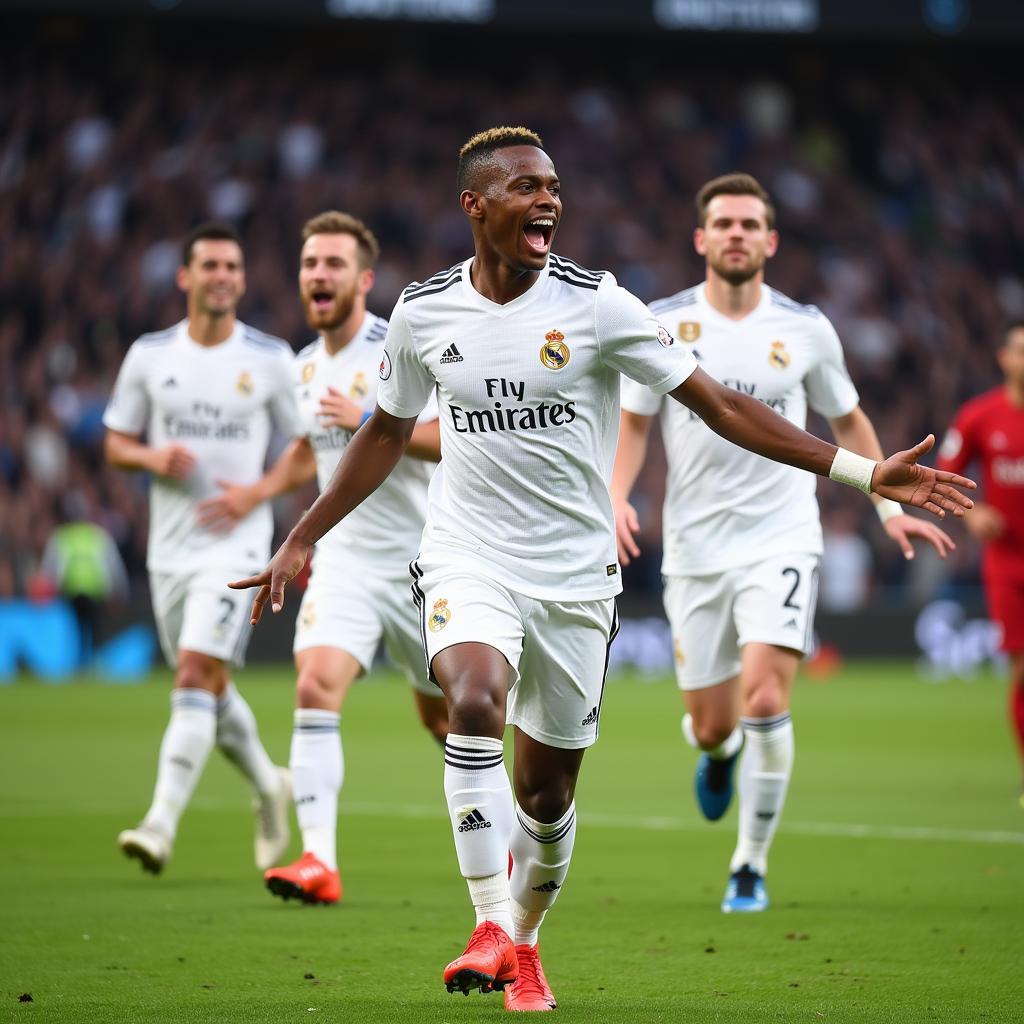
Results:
[571, 267]
[443, 277]
[420, 293]
[576, 282]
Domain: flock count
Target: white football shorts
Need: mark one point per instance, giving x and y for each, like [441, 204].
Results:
[197, 612]
[714, 615]
[558, 651]
[355, 613]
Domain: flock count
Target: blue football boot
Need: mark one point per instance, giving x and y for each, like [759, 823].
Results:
[713, 784]
[745, 893]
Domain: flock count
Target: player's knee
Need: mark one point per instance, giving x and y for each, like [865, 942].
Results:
[312, 690]
[476, 707]
[548, 801]
[766, 700]
[199, 673]
[711, 732]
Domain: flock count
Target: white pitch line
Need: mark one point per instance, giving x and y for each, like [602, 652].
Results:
[835, 830]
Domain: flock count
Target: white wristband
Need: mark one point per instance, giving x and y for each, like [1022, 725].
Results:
[850, 468]
[887, 508]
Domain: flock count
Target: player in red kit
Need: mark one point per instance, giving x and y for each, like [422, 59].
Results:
[990, 428]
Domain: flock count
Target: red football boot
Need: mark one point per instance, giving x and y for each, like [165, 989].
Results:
[488, 963]
[309, 879]
[530, 991]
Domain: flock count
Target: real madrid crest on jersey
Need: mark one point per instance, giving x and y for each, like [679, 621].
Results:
[439, 616]
[307, 372]
[778, 356]
[554, 353]
[244, 384]
[689, 330]
[359, 388]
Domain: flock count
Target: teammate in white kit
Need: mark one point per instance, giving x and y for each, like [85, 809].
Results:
[741, 535]
[205, 394]
[517, 572]
[358, 594]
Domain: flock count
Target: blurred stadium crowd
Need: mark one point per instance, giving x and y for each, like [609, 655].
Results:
[896, 206]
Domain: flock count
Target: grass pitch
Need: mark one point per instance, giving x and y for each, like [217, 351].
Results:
[895, 879]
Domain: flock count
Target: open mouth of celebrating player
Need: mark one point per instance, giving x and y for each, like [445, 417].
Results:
[538, 232]
[321, 300]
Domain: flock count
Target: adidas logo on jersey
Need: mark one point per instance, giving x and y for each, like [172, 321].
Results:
[474, 820]
[170, 383]
[790, 624]
[451, 355]
[591, 719]
[547, 887]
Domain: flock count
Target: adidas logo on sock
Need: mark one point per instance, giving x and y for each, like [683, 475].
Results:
[591, 719]
[474, 820]
[451, 355]
[182, 762]
[300, 800]
[765, 815]
[547, 887]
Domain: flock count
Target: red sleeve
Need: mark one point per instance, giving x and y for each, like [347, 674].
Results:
[960, 445]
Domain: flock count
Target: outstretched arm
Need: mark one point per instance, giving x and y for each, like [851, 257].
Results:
[370, 456]
[634, 430]
[856, 432]
[752, 425]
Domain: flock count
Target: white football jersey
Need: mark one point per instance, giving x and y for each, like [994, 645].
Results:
[382, 535]
[529, 404]
[725, 506]
[221, 402]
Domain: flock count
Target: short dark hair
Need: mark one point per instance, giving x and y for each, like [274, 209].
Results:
[474, 154]
[1008, 329]
[734, 185]
[212, 230]
[334, 222]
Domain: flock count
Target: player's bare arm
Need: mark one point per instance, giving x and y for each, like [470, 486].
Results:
[752, 425]
[985, 522]
[295, 466]
[855, 432]
[368, 460]
[634, 431]
[126, 451]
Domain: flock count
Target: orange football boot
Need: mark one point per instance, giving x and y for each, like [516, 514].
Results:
[530, 991]
[309, 879]
[489, 962]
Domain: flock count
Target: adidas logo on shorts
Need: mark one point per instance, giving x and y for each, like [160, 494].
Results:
[451, 355]
[591, 719]
[547, 887]
[474, 820]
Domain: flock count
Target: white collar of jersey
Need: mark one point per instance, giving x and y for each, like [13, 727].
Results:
[506, 308]
[762, 304]
[184, 336]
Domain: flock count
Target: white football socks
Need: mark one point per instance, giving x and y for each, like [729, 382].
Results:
[540, 861]
[727, 748]
[188, 740]
[479, 798]
[318, 770]
[238, 737]
[763, 779]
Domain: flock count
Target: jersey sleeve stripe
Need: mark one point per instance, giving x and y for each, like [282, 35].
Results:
[575, 282]
[409, 296]
[791, 305]
[571, 267]
[444, 277]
